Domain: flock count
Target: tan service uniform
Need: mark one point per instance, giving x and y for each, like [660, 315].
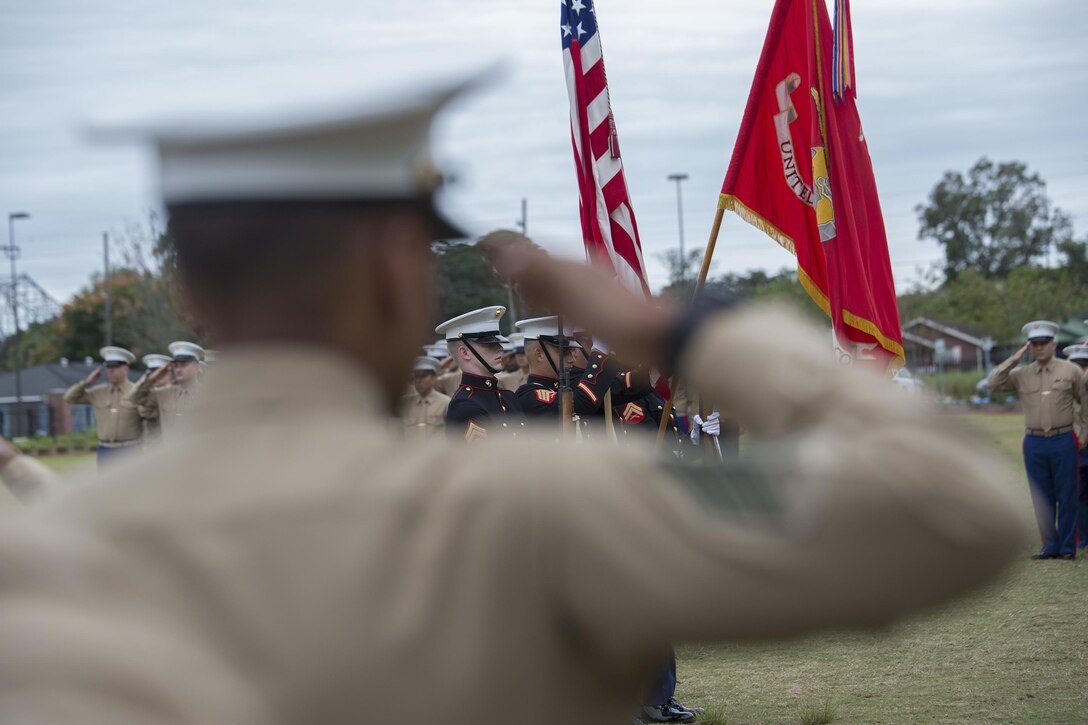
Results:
[1052, 395]
[447, 383]
[290, 561]
[512, 380]
[424, 418]
[116, 415]
[166, 405]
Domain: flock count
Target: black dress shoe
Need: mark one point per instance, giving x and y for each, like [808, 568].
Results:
[1041, 556]
[675, 704]
[1067, 557]
[665, 713]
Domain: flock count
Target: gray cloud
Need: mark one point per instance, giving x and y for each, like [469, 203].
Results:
[940, 84]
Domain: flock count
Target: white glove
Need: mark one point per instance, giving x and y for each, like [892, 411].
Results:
[712, 426]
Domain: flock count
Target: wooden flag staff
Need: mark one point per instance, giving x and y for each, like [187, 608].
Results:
[666, 413]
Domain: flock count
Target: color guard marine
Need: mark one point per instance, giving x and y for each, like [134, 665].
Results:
[479, 408]
[539, 396]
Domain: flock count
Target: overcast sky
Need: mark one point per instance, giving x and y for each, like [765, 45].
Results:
[940, 83]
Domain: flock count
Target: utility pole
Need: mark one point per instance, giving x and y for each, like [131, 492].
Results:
[523, 224]
[678, 178]
[12, 252]
[106, 287]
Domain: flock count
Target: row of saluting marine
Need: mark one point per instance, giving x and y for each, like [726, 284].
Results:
[128, 413]
[475, 382]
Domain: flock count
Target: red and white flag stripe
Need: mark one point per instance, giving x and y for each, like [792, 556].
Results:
[609, 230]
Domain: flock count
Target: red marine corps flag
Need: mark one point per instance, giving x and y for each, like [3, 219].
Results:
[801, 172]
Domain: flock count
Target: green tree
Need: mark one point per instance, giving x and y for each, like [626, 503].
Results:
[999, 307]
[466, 282]
[683, 272]
[996, 219]
[145, 300]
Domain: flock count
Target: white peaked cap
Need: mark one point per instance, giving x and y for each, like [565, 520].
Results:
[438, 351]
[371, 146]
[1040, 329]
[481, 325]
[154, 361]
[426, 364]
[546, 327]
[211, 355]
[182, 348]
[518, 339]
[1076, 352]
[117, 354]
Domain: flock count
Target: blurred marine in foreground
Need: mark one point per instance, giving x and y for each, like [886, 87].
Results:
[285, 558]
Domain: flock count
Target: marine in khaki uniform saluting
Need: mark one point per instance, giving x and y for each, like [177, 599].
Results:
[513, 379]
[116, 416]
[449, 375]
[1051, 392]
[423, 410]
[291, 561]
[152, 362]
[168, 404]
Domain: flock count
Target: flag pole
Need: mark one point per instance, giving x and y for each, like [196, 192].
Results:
[711, 243]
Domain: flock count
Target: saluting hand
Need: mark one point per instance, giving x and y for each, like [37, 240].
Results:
[8, 452]
[160, 373]
[585, 294]
[95, 374]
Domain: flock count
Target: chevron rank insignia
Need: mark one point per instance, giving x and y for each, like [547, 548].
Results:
[475, 432]
[545, 396]
[633, 414]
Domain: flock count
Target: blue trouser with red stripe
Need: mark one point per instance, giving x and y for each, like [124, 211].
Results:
[1053, 472]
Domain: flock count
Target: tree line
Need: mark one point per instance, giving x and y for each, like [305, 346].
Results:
[1010, 255]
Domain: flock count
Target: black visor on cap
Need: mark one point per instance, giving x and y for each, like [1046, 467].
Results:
[1048, 338]
[184, 358]
[492, 338]
[115, 363]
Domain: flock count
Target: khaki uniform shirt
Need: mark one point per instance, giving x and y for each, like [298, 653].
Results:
[284, 559]
[1052, 395]
[424, 418]
[116, 416]
[447, 383]
[513, 380]
[166, 404]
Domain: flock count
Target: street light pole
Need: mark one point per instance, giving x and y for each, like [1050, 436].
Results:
[678, 178]
[13, 253]
[106, 287]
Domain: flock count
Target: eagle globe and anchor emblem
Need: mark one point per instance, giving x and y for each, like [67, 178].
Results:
[818, 195]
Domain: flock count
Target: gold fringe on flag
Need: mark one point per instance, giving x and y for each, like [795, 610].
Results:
[728, 202]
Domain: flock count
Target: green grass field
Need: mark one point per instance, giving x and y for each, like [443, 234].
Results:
[1015, 653]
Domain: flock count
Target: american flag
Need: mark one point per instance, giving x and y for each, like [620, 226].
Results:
[608, 222]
